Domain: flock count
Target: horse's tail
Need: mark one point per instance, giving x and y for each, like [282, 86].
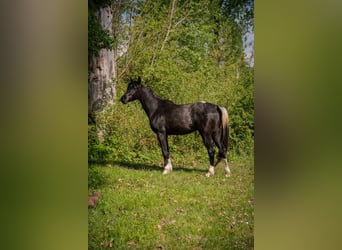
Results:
[225, 128]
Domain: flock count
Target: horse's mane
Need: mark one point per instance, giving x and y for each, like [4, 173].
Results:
[157, 96]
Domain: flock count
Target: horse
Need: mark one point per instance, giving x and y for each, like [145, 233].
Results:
[167, 118]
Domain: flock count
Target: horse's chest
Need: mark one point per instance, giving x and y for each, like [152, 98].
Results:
[157, 123]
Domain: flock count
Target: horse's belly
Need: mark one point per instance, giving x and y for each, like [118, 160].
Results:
[179, 131]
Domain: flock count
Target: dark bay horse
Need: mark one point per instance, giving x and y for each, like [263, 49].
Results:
[167, 118]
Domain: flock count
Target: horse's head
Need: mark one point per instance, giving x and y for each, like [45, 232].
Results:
[132, 92]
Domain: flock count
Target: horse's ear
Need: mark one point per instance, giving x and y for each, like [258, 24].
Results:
[139, 80]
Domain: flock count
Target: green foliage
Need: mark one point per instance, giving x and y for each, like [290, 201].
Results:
[97, 151]
[242, 116]
[97, 37]
[188, 53]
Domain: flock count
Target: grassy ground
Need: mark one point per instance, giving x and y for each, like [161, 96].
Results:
[142, 209]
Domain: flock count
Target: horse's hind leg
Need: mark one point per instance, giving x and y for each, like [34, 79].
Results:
[211, 152]
[221, 154]
[226, 167]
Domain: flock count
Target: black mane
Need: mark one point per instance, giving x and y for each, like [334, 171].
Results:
[157, 96]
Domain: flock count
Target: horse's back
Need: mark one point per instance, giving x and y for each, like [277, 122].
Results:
[204, 107]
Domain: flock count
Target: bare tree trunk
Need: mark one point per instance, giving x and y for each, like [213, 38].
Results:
[102, 76]
[102, 69]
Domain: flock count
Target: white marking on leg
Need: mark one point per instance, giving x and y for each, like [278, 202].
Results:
[226, 168]
[168, 167]
[211, 171]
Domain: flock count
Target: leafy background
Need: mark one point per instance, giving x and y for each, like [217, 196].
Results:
[186, 51]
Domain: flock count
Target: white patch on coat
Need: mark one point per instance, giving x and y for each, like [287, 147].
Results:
[168, 167]
[211, 171]
[203, 102]
[226, 168]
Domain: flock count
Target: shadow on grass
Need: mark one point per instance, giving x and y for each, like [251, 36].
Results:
[142, 166]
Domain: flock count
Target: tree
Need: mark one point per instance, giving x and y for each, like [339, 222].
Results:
[101, 56]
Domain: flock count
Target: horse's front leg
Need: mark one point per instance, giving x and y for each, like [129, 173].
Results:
[162, 138]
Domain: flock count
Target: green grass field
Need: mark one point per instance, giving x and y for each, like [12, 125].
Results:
[140, 208]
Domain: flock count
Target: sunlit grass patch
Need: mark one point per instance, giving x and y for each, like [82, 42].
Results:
[141, 208]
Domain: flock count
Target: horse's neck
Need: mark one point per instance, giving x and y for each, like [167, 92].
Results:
[149, 101]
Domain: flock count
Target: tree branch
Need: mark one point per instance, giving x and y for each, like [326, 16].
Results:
[170, 24]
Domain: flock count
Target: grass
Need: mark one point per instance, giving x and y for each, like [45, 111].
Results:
[142, 209]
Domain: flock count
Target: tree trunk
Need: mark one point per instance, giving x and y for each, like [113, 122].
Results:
[102, 69]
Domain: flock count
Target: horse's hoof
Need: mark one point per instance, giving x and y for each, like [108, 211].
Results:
[211, 171]
[166, 171]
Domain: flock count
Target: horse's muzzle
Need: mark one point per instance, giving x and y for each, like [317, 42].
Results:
[124, 99]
